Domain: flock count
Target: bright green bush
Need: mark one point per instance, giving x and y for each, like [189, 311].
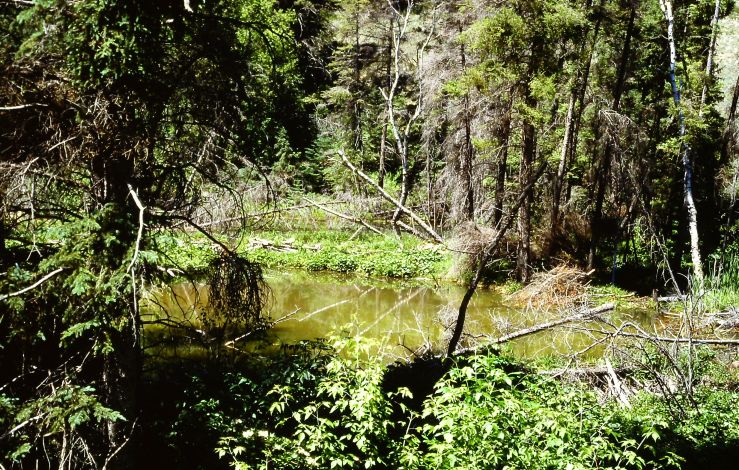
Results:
[346, 422]
[482, 416]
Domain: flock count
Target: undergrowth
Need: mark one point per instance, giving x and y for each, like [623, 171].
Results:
[323, 250]
[314, 408]
[722, 282]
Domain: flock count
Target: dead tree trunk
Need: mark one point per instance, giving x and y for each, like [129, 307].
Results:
[685, 156]
[485, 257]
[401, 134]
[467, 151]
[502, 165]
[385, 117]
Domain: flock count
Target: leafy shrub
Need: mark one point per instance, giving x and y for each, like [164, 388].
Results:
[326, 407]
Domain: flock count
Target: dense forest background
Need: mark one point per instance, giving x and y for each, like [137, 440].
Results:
[535, 132]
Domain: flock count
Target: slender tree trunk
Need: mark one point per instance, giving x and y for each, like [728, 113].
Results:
[729, 137]
[572, 125]
[695, 255]
[357, 111]
[502, 166]
[122, 379]
[528, 152]
[708, 79]
[3, 235]
[122, 365]
[559, 177]
[385, 118]
[467, 151]
[484, 258]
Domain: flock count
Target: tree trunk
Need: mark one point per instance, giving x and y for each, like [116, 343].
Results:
[385, 118]
[603, 166]
[468, 209]
[485, 256]
[122, 378]
[708, 79]
[572, 125]
[357, 107]
[528, 152]
[695, 255]
[557, 183]
[502, 166]
[729, 137]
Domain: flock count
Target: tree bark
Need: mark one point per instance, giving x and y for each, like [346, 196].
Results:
[708, 79]
[528, 152]
[467, 151]
[385, 118]
[484, 259]
[572, 125]
[561, 168]
[685, 156]
[502, 165]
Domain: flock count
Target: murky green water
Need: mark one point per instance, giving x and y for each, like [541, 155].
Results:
[399, 319]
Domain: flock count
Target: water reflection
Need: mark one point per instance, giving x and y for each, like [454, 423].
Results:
[400, 319]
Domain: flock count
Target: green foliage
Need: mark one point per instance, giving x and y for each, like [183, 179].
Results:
[722, 282]
[368, 254]
[486, 412]
[63, 411]
[485, 416]
[346, 424]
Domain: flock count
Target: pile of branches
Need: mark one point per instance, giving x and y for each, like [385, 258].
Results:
[562, 287]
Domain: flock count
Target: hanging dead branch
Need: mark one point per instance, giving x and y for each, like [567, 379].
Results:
[486, 256]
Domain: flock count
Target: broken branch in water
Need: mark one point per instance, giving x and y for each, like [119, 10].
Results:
[230, 343]
[580, 316]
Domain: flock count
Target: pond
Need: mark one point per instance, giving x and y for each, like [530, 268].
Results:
[398, 318]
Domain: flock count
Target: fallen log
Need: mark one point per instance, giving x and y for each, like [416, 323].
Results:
[356, 220]
[580, 316]
[426, 227]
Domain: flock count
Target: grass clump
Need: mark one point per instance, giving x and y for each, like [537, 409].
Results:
[722, 282]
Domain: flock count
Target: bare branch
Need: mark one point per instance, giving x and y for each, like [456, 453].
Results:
[344, 216]
[426, 227]
[141, 226]
[32, 286]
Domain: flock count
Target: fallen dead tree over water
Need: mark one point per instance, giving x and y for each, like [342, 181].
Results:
[585, 315]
